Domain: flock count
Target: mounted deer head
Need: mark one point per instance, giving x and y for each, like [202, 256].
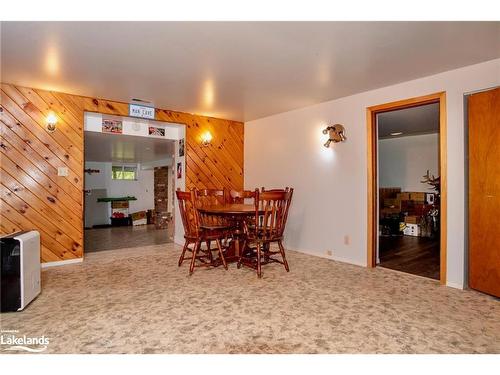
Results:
[435, 182]
[336, 133]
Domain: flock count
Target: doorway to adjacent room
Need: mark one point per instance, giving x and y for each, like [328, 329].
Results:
[129, 183]
[407, 196]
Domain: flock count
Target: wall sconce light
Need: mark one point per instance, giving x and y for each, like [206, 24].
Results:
[336, 133]
[51, 122]
[206, 138]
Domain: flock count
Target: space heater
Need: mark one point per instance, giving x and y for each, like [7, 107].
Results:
[20, 269]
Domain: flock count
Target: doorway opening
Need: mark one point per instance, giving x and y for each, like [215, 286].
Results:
[407, 186]
[129, 182]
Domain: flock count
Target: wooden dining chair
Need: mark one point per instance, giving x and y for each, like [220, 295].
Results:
[196, 233]
[271, 213]
[239, 196]
[210, 197]
[263, 189]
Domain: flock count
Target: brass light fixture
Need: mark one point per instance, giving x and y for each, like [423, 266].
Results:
[336, 133]
[51, 122]
[206, 138]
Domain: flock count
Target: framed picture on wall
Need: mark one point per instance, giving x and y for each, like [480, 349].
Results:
[111, 126]
[179, 170]
[181, 147]
[156, 131]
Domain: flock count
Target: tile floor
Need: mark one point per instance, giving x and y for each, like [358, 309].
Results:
[111, 238]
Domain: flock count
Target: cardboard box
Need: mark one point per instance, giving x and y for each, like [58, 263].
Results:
[140, 222]
[412, 219]
[417, 196]
[119, 204]
[388, 211]
[138, 215]
[388, 192]
[403, 196]
[392, 203]
[418, 209]
[139, 218]
[412, 230]
[162, 219]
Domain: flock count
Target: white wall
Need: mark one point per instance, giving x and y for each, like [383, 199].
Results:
[330, 199]
[403, 161]
[142, 189]
[179, 183]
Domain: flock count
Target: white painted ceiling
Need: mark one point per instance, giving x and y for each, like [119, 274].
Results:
[126, 148]
[423, 119]
[236, 70]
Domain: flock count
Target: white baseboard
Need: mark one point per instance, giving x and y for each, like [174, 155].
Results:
[332, 257]
[349, 261]
[62, 262]
[454, 285]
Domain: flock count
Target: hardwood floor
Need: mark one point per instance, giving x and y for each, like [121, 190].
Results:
[415, 255]
[111, 238]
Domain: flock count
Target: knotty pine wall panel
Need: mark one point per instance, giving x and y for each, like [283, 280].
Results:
[33, 196]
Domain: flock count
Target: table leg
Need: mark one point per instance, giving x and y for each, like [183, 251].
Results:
[237, 247]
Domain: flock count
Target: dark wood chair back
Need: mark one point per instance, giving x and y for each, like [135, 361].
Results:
[210, 197]
[195, 233]
[271, 213]
[239, 196]
[263, 189]
[189, 213]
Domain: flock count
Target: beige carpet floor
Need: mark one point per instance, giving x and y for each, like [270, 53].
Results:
[129, 301]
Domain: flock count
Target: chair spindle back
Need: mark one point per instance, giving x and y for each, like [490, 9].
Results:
[210, 197]
[189, 213]
[239, 196]
[271, 212]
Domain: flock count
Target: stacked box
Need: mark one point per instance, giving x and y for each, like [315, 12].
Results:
[392, 203]
[119, 204]
[412, 219]
[405, 196]
[417, 197]
[162, 220]
[139, 218]
[412, 230]
[161, 189]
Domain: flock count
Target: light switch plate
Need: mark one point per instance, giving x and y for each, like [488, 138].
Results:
[62, 171]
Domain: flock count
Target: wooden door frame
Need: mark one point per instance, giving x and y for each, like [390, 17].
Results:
[371, 113]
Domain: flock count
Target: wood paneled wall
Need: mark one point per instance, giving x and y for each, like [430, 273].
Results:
[33, 196]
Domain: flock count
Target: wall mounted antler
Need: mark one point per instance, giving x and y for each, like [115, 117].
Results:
[336, 133]
[435, 182]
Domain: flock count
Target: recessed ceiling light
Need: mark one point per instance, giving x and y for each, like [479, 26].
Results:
[147, 149]
[396, 133]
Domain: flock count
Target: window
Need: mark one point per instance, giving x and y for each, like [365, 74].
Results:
[123, 172]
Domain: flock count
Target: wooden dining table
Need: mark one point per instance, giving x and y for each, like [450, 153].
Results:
[236, 213]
